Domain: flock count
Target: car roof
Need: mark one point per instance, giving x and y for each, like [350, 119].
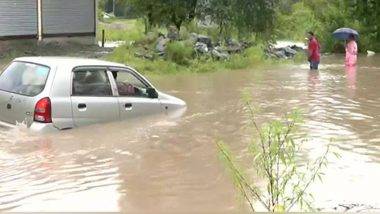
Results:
[67, 61]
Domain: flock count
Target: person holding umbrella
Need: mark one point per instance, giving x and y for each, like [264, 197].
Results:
[313, 51]
[351, 51]
[351, 36]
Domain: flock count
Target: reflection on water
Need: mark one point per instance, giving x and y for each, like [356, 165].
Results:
[160, 165]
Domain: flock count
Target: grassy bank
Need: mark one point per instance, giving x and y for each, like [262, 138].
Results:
[121, 30]
[250, 58]
[180, 56]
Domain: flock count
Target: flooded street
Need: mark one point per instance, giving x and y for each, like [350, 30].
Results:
[170, 165]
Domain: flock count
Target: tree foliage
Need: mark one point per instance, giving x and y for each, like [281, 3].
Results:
[246, 16]
[256, 16]
[243, 16]
[165, 12]
[325, 16]
[285, 19]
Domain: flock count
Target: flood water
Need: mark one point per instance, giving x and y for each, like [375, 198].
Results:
[170, 165]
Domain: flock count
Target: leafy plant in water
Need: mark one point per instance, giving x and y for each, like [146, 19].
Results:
[274, 157]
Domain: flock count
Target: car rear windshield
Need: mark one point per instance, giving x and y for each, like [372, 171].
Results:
[24, 78]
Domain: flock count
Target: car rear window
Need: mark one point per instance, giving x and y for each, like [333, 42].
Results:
[24, 78]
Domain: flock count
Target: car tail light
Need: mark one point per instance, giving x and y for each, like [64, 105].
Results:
[42, 111]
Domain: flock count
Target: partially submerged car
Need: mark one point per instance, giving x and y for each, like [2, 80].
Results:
[57, 93]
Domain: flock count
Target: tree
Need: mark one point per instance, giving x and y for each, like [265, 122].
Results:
[167, 12]
[245, 16]
[255, 16]
[221, 12]
[367, 12]
[149, 10]
[179, 11]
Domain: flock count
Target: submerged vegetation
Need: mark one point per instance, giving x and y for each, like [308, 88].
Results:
[274, 157]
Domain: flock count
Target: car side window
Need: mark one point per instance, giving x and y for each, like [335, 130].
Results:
[91, 82]
[128, 85]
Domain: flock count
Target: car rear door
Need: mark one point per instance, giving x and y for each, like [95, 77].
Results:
[133, 98]
[21, 86]
[92, 97]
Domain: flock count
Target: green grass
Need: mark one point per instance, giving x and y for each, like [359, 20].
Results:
[121, 30]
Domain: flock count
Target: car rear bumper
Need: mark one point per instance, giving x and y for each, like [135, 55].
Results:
[35, 127]
[43, 127]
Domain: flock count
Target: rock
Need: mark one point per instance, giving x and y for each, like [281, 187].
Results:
[230, 41]
[194, 37]
[205, 39]
[370, 53]
[297, 48]
[289, 52]
[201, 48]
[161, 45]
[293, 45]
[234, 49]
[280, 54]
[202, 39]
[219, 54]
[233, 46]
[245, 44]
[173, 33]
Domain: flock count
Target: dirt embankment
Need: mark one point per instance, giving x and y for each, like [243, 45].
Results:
[18, 48]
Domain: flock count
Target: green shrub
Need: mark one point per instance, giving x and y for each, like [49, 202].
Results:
[274, 154]
[204, 65]
[237, 62]
[179, 52]
[255, 54]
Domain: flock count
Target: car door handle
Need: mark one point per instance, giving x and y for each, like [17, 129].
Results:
[82, 106]
[128, 106]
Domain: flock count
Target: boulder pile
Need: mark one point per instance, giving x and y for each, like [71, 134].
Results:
[284, 49]
[202, 45]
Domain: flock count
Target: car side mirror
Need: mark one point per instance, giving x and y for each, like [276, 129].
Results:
[152, 93]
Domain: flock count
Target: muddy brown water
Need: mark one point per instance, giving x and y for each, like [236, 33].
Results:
[170, 165]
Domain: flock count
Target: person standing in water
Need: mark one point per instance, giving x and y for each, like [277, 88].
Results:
[313, 51]
[351, 51]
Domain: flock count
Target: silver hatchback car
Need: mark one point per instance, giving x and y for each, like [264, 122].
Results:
[57, 93]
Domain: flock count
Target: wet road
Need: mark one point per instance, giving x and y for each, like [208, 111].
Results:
[160, 165]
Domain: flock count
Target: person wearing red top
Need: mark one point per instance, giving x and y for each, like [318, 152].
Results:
[314, 55]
